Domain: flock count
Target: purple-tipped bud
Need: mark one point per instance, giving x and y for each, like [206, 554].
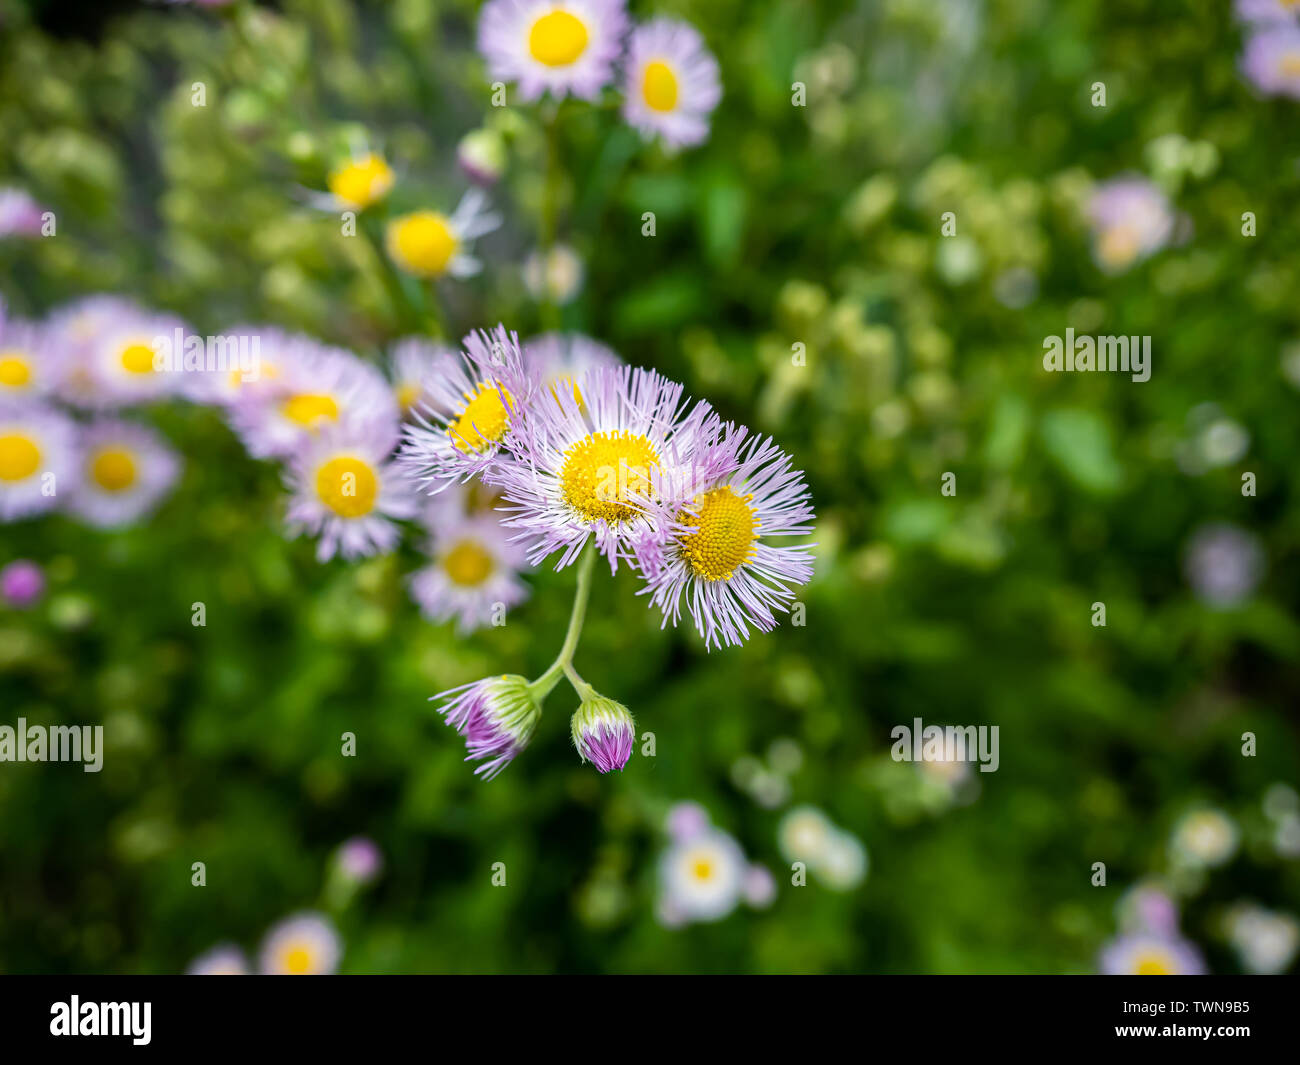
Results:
[603, 732]
[482, 155]
[359, 860]
[22, 583]
[496, 716]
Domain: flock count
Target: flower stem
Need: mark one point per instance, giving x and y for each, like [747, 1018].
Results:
[550, 212]
[563, 664]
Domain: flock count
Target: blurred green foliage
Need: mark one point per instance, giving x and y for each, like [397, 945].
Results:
[816, 226]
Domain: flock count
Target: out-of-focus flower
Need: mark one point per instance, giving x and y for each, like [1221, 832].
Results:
[22, 583]
[305, 944]
[1144, 954]
[1131, 219]
[346, 493]
[225, 959]
[360, 182]
[1267, 10]
[1265, 941]
[20, 215]
[603, 733]
[1223, 564]
[473, 573]
[37, 449]
[1271, 59]
[1148, 908]
[430, 244]
[561, 358]
[496, 715]
[759, 887]
[703, 877]
[410, 362]
[1203, 839]
[835, 855]
[686, 819]
[671, 83]
[29, 363]
[123, 471]
[843, 863]
[554, 275]
[564, 47]
[359, 860]
[482, 156]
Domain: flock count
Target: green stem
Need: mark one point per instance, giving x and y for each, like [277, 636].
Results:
[550, 213]
[563, 664]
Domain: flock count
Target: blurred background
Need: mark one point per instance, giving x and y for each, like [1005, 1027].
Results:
[817, 225]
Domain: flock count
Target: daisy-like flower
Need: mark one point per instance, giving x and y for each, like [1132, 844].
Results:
[22, 583]
[1204, 838]
[470, 399]
[20, 215]
[474, 573]
[410, 362]
[346, 493]
[686, 819]
[225, 959]
[587, 460]
[560, 359]
[29, 364]
[715, 544]
[671, 83]
[313, 387]
[37, 448]
[305, 944]
[1224, 564]
[843, 864]
[1265, 941]
[1271, 59]
[257, 358]
[805, 835]
[123, 471]
[554, 275]
[431, 244]
[564, 47]
[1131, 220]
[603, 733]
[360, 182]
[496, 715]
[1148, 908]
[703, 877]
[1144, 954]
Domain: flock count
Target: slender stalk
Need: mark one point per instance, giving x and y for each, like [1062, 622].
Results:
[550, 217]
[563, 664]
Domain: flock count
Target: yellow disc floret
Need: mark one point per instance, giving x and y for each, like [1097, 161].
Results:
[484, 419]
[467, 564]
[113, 469]
[19, 457]
[361, 182]
[659, 86]
[348, 486]
[309, 410]
[557, 39]
[422, 243]
[137, 358]
[725, 526]
[603, 472]
[15, 370]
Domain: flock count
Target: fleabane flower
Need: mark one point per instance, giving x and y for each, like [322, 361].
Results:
[1131, 220]
[360, 182]
[346, 493]
[20, 215]
[410, 362]
[702, 877]
[472, 575]
[671, 83]
[497, 717]
[313, 387]
[29, 363]
[469, 401]
[1144, 954]
[305, 944]
[123, 471]
[37, 453]
[255, 357]
[225, 959]
[564, 47]
[587, 459]
[559, 359]
[603, 732]
[430, 244]
[1271, 59]
[718, 546]
[555, 274]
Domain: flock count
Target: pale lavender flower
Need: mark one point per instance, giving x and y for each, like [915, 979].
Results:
[1223, 564]
[30, 365]
[20, 215]
[1271, 59]
[560, 359]
[671, 82]
[1148, 908]
[714, 544]
[345, 492]
[305, 944]
[1144, 954]
[225, 959]
[1131, 219]
[564, 47]
[411, 361]
[22, 583]
[497, 717]
[686, 819]
[759, 887]
[702, 878]
[473, 572]
[124, 471]
[603, 733]
[359, 860]
[37, 457]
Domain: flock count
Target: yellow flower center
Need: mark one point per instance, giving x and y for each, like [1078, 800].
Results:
[484, 419]
[137, 358]
[348, 486]
[1118, 246]
[603, 471]
[407, 396]
[266, 372]
[297, 961]
[19, 457]
[309, 410]
[1289, 67]
[467, 564]
[15, 370]
[659, 86]
[113, 469]
[361, 182]
[557, 38]
[726, 526]
[1153, 965]
[422, 243]
[702, 869]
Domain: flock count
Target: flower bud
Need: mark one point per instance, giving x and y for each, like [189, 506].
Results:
[603, 732]
[497, 717]
[482, 155]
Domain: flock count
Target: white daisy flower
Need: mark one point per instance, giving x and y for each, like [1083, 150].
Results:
[474, 573]
[564, 47]
[37, 453]
[346, 493]
[431, 244]
[703, 878]
[410, 362]
[671, 82]
[1204, 838]
[305, 944]
[805, 835]
[123, 471]
[843, 863]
